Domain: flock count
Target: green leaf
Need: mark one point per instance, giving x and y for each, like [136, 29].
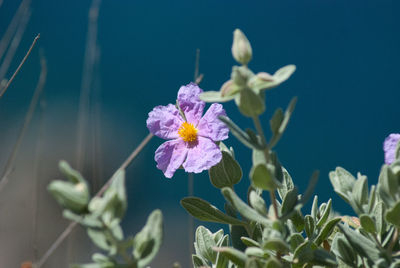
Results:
[309, 226]
[296, 240]
[204, 211]
[148, 241]
[249, 103]
[205, 244]
[393, 215]
[298, 220]
[277, 134]
[234, 255]
[73, 175]
[258, 203]
[287, 184]
[290, 201]
[263, 177]
[367, 223]
[343, 183]
[99, 238]
[72, 196]
[215, 96]
[258, 83]
[254, 252]
[226, 173]
[314, 208]
[323, 257]
[360, 243]
[276, 121]
[198, 262]
[254, 263]
[222, 261]
[237, 232]
[303, 253]
[378, 214]
[87, 220]
[360, 191]
[243, 208]
[325, 214]
[249, 242]
[342, 249]
[273, 263]
[277, 245]
[326, 230]
[242, 136]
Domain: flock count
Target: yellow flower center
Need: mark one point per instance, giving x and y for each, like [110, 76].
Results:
[187, 132]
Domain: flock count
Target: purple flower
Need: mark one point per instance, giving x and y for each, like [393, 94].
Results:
[191, 140]
[389, 146]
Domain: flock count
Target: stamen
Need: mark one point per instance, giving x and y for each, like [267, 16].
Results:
[188, 132]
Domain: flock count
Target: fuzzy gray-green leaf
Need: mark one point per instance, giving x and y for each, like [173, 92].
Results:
[367, 223]
[393, 215]
[204, 211]
[326, 230]
[245, 210]
[263, 177]
[360, 243]
[226, 173]
[325, 214]
[205, 244]
[234, 255]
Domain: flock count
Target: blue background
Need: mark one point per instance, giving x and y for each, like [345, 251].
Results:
[347, 82]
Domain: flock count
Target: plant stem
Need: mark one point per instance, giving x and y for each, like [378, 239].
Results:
[260, 132]
[72, 225]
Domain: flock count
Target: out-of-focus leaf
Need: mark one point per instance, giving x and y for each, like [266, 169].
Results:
[234, 255]
[283, 124]
[148, 241]
[393, 215]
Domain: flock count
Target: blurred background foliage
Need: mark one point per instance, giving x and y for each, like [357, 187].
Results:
[347, 83]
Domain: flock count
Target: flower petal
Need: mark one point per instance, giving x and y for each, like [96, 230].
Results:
[164, 121]
[202, 155]
[170, 156]
[189, 102]
[389, 146]
[210, 126]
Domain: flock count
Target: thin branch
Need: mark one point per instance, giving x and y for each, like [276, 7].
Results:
[87, 77]
[14, 44]
[12, 27]
[37, 162]
[197, 76]
[72, 225]
[28, 117]
[19, 66]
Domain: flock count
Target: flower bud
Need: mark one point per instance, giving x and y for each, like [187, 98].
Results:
[241, 48]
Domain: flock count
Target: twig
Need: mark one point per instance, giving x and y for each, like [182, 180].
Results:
[72, 225]
[14, 44]
[2, 91]
[87, 77]
[197, 77]
[12, 27]
[28, 117]
[37, 162]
